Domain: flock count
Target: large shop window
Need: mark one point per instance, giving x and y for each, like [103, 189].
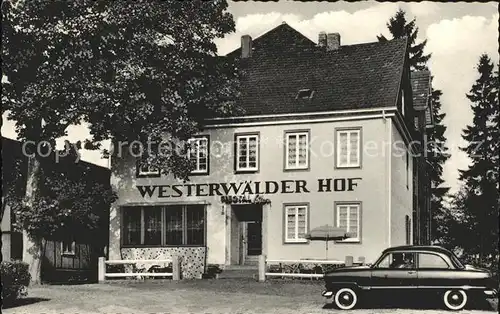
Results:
[247, 152]
[348, 217]
[297, 150]
[177, 225]
[199, 154]
[348, 148]
[296, 223]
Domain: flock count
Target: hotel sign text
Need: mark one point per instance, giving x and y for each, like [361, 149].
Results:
[248, 188]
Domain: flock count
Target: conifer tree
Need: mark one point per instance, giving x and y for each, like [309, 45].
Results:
[436, 153]
[399, 27]
[481, 177]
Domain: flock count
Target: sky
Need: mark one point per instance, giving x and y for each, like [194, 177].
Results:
[457, 34]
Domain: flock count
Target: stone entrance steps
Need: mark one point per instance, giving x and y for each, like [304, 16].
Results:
[239, 271]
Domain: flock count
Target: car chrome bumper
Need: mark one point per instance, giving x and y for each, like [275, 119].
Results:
[490, 293]
[327, 294]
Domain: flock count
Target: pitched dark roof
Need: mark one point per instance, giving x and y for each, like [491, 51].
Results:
[352, 77]
[282, 37]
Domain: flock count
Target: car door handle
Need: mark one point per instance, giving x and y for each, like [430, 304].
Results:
[411, 272]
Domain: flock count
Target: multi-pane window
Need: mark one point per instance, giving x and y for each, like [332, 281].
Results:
[144, 169]
[348, 148]
[247, 152]
[297, 150]
[152, 225]
[296, 223]
[348, 217]
[185, 225]
[132, 225]
[417, 123]
[198, 154]
[68, 247]
[176, 225]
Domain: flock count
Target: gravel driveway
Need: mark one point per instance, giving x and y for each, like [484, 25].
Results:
[207, 296]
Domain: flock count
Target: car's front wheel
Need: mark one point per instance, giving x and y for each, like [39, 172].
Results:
[345, 299]
[455, 299]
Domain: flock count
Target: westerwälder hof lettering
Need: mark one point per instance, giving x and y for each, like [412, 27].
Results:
[248, 187]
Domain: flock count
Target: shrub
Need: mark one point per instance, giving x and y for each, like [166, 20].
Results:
[160, 269]
[15, 280]
[212, 271]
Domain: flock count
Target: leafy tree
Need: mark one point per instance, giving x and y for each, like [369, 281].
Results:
[436, 153]
[481, 177]
[73, 201]
[132, 70]
[399, 27]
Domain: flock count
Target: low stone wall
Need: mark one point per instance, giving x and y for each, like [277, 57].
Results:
[192, 258]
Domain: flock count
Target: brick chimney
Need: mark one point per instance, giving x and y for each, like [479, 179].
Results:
[246, 46]
[322, 39]
[332, 41]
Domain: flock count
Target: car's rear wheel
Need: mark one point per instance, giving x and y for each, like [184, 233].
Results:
[455, 299]
[345, 299]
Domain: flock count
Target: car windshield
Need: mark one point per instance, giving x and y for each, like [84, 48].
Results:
[456, 261]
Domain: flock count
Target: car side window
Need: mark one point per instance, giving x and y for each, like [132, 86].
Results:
[385, 262]
[432, 261]
[398, 261]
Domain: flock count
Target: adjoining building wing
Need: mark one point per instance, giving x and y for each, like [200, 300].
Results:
[422, 93]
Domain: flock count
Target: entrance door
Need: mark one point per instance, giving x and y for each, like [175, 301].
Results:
[251, 242]
[246, 234]
[254, 238]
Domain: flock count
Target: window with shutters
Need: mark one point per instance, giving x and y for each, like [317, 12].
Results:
[296, 223]
[348, 148]
[348, 217]
[199, 154]
[296, 150]
[247, 152]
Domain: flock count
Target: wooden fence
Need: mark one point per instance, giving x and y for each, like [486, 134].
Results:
[103, 273]
[304, 269]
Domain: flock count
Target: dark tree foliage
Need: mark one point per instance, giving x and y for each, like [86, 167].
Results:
[73, 200]
[437, 155]
[399, 27]
[130, 69]
[437, 151]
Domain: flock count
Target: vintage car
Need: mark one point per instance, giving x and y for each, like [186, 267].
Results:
[411, 270]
